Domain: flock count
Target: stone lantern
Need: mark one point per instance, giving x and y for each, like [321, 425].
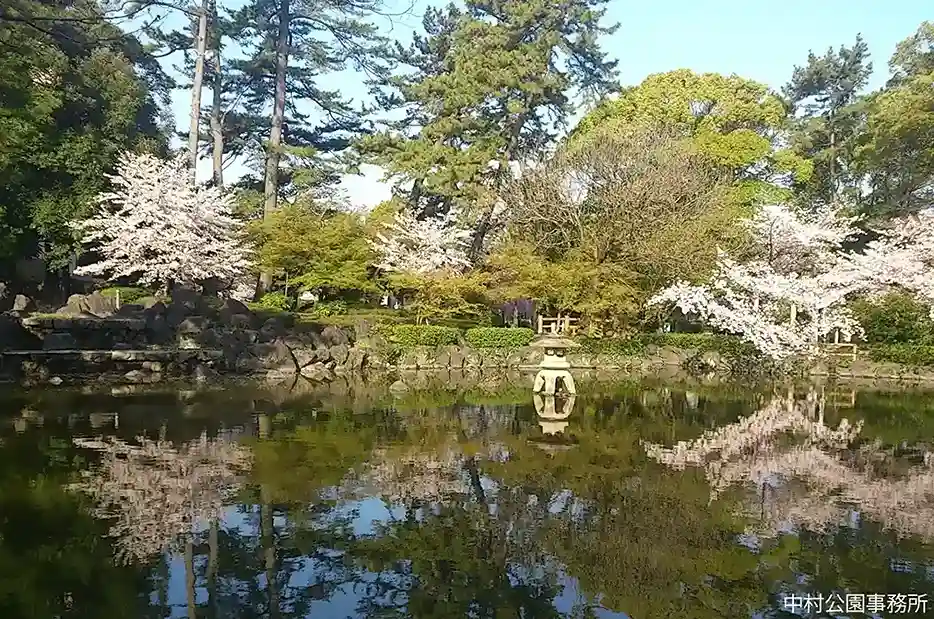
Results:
[549, 419]
[554, 366]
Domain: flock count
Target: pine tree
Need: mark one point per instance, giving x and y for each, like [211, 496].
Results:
[491, 86]
[293, 46]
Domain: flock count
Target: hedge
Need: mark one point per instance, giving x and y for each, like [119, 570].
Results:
[917, 355]
[895, 319]
[409, 336]
[499, 337]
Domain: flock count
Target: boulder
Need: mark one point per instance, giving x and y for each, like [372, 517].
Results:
[94, 304]
[304, 356]
[14, 336]
[240, 321]
[356, 360]
[267, 358]
[142, 377]
[193, 325]
[186, 297]
[272, 329]
[130, 309]
[333, 336]
[317, 372]
[338, 353]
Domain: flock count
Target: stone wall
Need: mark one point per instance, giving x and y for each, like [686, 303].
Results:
[201, 338]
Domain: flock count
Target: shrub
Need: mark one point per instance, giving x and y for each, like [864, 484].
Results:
[275, 301]
[497, 337]
[409, 336]
[329, 308]
[128, 294]
[896, 319]
[906, 354]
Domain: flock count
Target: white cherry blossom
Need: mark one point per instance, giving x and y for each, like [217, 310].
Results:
[156, 227]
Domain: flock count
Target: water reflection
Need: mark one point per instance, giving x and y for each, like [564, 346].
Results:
[638, 501]
[808, 474]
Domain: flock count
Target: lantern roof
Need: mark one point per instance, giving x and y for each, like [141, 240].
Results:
[554, 341]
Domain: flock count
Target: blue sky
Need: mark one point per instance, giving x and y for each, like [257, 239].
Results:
[755, 39]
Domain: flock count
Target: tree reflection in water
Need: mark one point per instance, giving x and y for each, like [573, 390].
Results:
[414, 510]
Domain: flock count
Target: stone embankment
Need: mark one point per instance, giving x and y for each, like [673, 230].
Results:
[203, 338]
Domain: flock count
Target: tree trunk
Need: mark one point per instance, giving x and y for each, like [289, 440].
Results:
[275, 134]
[217, 133]
[194, 128]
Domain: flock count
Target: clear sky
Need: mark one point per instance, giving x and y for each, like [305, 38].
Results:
[758, 39]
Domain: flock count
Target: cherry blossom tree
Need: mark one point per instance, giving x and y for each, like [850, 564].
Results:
[783, 301]
[423, 246]
[902, 257]
[156, 227]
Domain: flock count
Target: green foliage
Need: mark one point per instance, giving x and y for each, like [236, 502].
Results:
[895, 319]
[410, 336]
[73, 96]
[496, 337]
[443, 297]
[275, 301]
[316, 250]
[914, 355]
[327, 308]
[128, 294]
[728, 118]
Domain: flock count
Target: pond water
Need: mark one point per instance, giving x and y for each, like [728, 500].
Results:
[636, 500]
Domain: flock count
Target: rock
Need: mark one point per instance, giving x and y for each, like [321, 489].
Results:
[456, 357]
[515, 358]
[203, 373]
[240, 321]
[152, 366]
[187, 341]
[333, 336]
[356, 360]
[99, 305]
[186, 297]
[322, 354]
[304, 356]
[193, 325]
[59, 341]
[272, 358]
[55, 380]
[398, 387]
[318, 372]
[339, 353]
[130, 309]
[22, 303]
[245, 337]
[137, 377]
[14, 336]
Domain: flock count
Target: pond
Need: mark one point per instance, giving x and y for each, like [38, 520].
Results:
[633, 500]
